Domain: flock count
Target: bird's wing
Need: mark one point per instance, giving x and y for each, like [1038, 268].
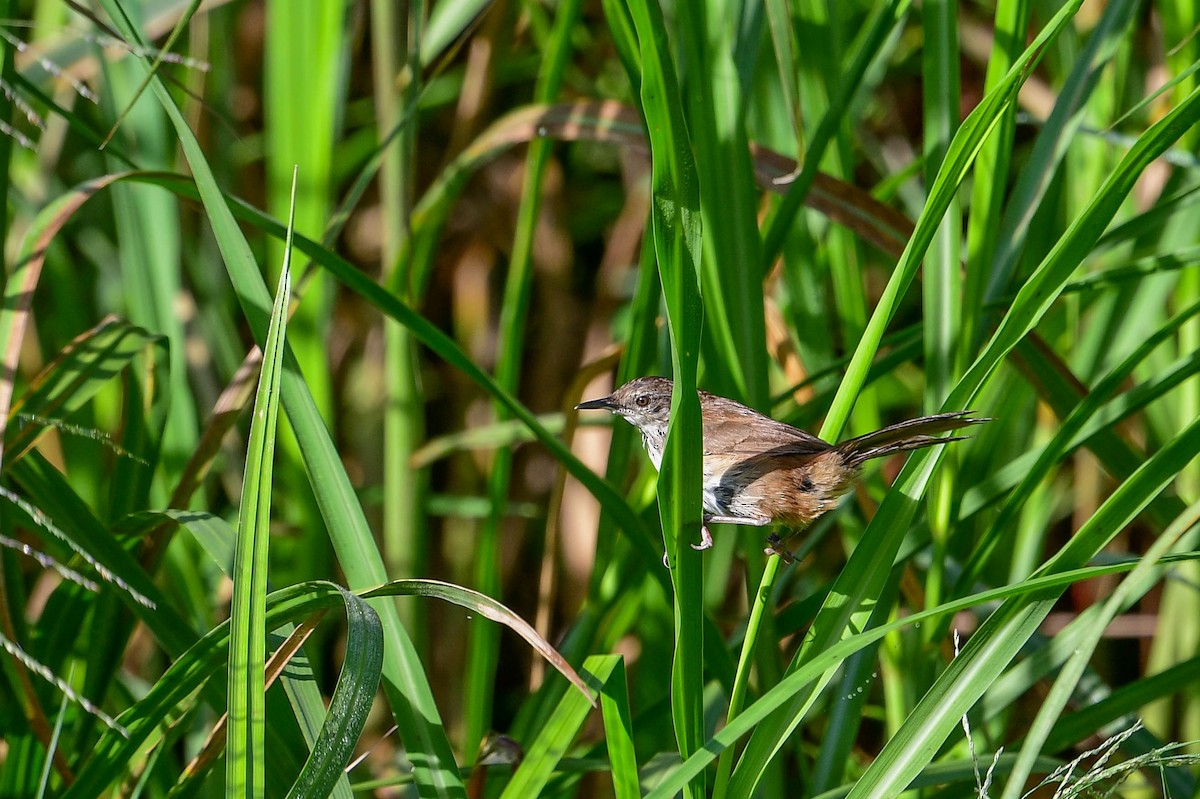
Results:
[748, 433]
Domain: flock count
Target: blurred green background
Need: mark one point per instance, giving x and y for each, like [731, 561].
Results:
[842, 214]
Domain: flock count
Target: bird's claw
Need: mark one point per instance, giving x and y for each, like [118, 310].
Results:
[773, 548]
[706, 541]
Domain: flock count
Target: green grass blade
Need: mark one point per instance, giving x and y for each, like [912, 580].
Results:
[245, 753]
[676, 229]
[618, 733]
[546, 751]
[448, 20]
[733, 298]
[350, 705]
[63, 516]
[991, 170]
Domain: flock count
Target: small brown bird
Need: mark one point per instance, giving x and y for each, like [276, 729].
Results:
[757, 470]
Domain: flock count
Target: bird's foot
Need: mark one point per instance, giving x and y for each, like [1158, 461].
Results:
[706, 541]
[773, 548]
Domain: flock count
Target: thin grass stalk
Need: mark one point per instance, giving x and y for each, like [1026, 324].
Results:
[396, 54]
[305, 56]
[484, 643]
[8, 75]
[762, 599]
[987, 195]
[942, 286]
[1180, 606]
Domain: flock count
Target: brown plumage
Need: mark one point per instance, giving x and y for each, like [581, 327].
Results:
[758, 470]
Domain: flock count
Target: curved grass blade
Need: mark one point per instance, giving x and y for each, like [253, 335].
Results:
[172, 693]
[351, 703]
[217, 538]
[488, 608]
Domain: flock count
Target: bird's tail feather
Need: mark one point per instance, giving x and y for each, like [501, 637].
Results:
[904, 436]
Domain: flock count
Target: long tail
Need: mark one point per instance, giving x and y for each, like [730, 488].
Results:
[904, 436]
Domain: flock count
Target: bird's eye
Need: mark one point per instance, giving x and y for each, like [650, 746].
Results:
[642, 400]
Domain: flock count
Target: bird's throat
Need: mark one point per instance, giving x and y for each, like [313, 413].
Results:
[654, 441]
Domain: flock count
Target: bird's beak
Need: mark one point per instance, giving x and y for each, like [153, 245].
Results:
[602, 404]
